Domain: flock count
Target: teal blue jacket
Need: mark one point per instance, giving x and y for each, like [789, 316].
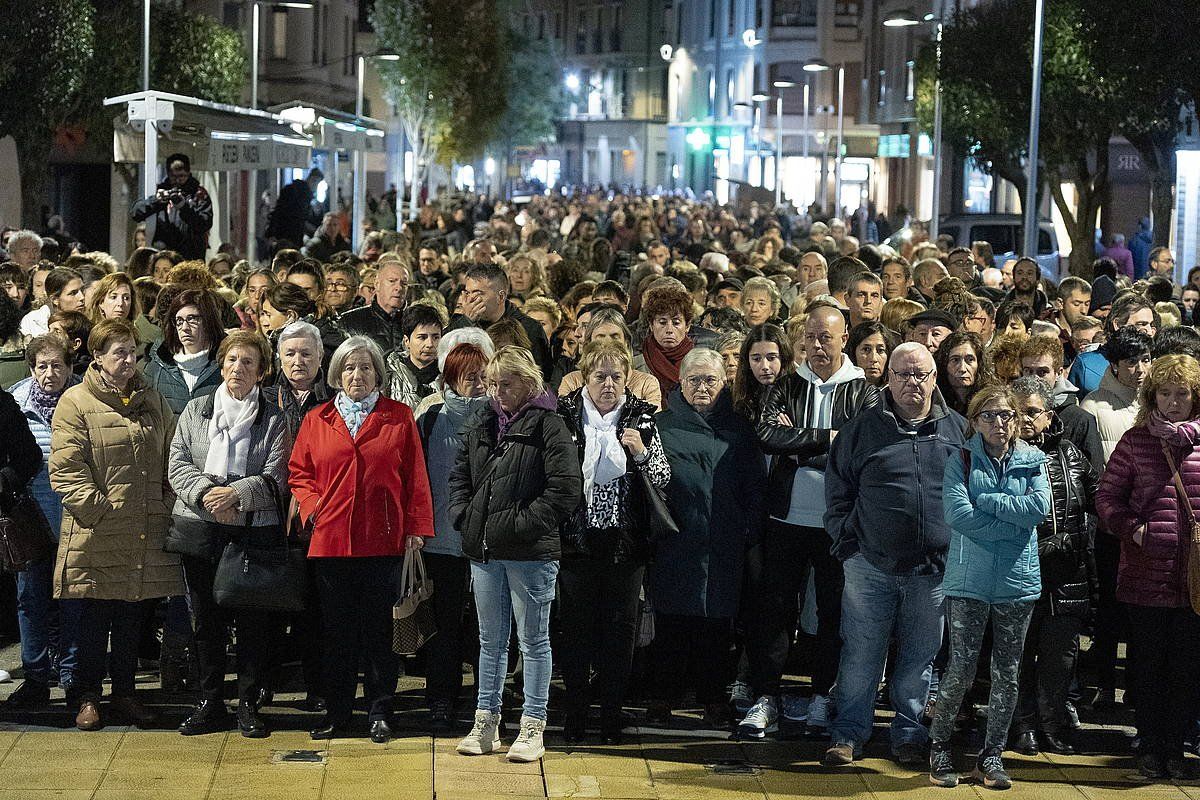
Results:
[993, 516]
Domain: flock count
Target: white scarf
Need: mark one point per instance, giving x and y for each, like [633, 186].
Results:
[190, 366]
[229, 433]
[603, 455]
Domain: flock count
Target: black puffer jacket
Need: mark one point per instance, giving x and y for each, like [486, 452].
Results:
[374, 323]
[20, 455]
[629, 542]
[1066, 537]
[508, 497]
[802, 445]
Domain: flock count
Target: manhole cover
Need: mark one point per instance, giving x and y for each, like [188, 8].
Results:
[298, 757]
[733, 768]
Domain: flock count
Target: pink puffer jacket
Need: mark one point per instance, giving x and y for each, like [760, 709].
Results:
[1137, 489]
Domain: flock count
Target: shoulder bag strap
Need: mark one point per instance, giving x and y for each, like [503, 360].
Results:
[1180, 489]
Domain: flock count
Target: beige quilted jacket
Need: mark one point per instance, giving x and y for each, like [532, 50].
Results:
[108, 461]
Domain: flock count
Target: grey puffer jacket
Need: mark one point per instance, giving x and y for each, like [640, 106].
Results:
[266, 461]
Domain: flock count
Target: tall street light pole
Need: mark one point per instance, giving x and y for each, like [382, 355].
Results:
[812, 66]
[145, 45]
[907, 19]
[1035, 112]
[841, 142]
[360, 178]
[781, 84]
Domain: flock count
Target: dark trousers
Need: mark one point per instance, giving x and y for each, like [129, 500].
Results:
[298, 635]
[598, 607]
[776, 582]
[210, 626]
[357, 595]
[1047, 667]
[1110, 616]
[451, 576]
[92, 624]
[1167, 641]
[690, 652]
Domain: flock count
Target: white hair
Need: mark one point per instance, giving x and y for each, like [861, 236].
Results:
[714, 262]
[24, 235]
[915, 348]
[700, 356]
[353, 345]
[452, 339]
[301, 330]
[992, 277]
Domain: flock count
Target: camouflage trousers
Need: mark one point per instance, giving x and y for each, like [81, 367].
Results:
[968, 619]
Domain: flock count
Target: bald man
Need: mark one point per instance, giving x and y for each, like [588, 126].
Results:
[802, 414]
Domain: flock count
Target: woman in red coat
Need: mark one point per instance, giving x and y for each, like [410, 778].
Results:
[1139, 503]
[358, 474]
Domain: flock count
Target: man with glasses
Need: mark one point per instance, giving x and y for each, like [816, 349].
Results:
[802, 415]
[1042, 358]
[1162, 262]
[24, 249]
[341, 287]
[429, 269]
[883, 489]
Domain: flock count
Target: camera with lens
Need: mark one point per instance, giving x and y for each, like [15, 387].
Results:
[176, 197]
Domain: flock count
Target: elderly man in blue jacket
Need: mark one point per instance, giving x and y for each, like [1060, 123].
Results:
[883, 490]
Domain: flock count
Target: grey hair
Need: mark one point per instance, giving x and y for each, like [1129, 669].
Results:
[1030, 386]
[714, 262]
[699, 356]
[607, 316]
[452, 339]
[300, 330]
[347, 348]
[22, 235]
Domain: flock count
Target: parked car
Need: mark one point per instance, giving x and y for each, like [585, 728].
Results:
[1004, 232]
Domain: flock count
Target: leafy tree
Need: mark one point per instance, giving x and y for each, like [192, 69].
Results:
[447, 84]
[535, 98]
[45, 52]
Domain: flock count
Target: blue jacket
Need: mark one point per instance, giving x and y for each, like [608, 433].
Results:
[993, 517]
[39, 488]
[164, 374]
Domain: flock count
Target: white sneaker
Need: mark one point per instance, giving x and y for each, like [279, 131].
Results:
[4, 676]
[484, 735]
[761, 719]
[818, 712]
[528, 744]
[793, 707]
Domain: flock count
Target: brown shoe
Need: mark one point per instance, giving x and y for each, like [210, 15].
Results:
[133, 710]
[88, 718]
[839, 754]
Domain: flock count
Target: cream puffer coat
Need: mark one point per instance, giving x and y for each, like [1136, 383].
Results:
[108, 460]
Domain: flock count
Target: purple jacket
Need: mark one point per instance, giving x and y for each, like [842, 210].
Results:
[1124, 258]
[1137, 489]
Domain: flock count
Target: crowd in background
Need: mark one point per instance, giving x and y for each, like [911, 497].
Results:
[675, 442]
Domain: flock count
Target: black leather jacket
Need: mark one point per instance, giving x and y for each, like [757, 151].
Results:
[802, 445]
[1066, 537]
[375, 323]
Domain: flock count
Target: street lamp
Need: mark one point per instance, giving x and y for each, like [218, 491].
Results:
[572, 82]
[780, 83]
[818, 65]
[359, 166]
[907, 19]
[1035, 109]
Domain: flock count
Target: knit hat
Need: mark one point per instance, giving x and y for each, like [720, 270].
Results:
[1103, 292]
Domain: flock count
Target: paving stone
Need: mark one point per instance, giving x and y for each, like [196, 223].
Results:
[600, 786]
[490, 784]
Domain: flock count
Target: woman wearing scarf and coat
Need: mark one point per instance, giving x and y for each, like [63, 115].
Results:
[227, 463]
[357, 472]
[1140, 502]
[668, 312]
[606, 543]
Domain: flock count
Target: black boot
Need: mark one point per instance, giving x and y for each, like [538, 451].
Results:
[575, 727]
[250, 723]
[1025, 743]
[210, 716]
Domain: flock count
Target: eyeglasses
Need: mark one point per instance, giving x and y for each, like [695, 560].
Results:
[337, 286]
[918, 377]
[190, 321]
[707, 381]
[1031, 415]
[991, 417]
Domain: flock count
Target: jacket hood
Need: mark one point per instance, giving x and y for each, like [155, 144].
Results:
[1023, 454]
[1063, 392]
[847, 372]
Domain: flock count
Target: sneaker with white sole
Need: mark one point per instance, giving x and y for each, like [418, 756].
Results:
[793, 707]
[818, 712]
[741, 696]
[528, 744]
[484, 735]
[761, 719]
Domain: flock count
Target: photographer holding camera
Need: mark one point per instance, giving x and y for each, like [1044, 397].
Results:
[181, 209]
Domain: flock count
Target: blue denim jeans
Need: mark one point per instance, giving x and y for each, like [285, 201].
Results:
[35, 616]
[876, 606]
[502, 589]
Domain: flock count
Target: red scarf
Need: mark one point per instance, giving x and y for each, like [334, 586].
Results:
[664, 364]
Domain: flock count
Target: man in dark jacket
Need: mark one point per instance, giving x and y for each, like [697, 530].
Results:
[1042, 357]
[485, 301]
[802, 414]
[1026, 273]
[883, 490]
[292, 218]
[382, 320]
[181, 209]
[327, 240]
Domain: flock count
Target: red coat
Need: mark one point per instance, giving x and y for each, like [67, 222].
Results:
[1137, 489]
[364, 494]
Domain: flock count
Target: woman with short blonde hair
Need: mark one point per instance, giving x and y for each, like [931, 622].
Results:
[896, 312]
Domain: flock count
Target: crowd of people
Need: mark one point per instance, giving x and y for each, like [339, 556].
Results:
[674, 442]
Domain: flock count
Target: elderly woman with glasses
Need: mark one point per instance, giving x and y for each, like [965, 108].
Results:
[994, 495]
[718, 483]
[358, 475]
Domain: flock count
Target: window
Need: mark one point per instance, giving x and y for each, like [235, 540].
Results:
[758, 13]
[615, 42]
[581, 33]
[1002, 238]
[712, 18]
[730, 94]
[730, 17]
[910, 81]
[712, 94]
[598, 31]
[793, 13]
[541, 26]
[279, 33]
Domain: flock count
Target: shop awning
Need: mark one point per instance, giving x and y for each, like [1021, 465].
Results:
[331, 129]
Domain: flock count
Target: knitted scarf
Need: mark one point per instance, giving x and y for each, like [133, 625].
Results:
[664, 364]
[1177, 434]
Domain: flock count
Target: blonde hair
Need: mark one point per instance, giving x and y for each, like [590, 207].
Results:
[596, 353]
[537, 275]
[107, 284]
[518, 362]
[1168, 315]
[1180, 369]
[993, 394]
[896, 312]
[547, 307]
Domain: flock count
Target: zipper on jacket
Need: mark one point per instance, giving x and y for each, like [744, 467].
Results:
[920, 492]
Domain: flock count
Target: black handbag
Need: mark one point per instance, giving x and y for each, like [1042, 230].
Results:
[262, 568]
[196, 538]
[25, 535]
[658, 515]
